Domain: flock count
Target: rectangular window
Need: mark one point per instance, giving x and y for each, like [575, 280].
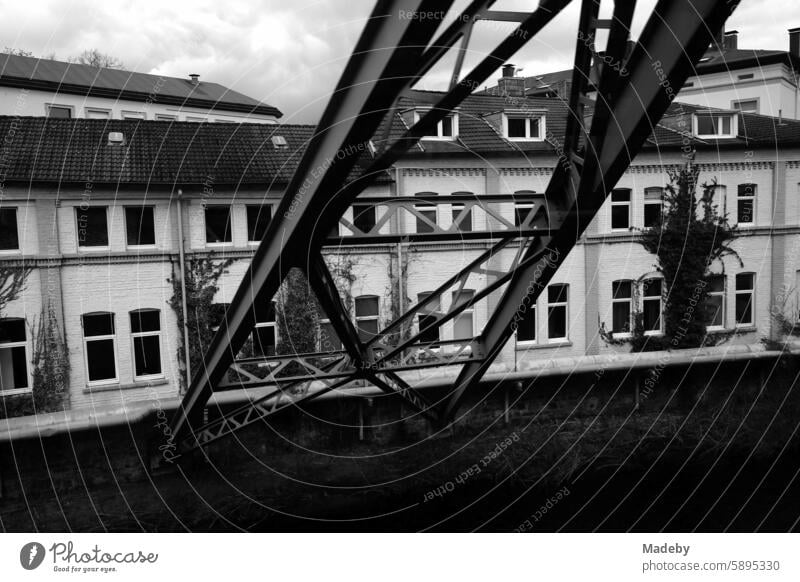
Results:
[92, 226]
[367, 316]
[146, 336]
[364, 217]
[715, 302]
[98, 342]
[714, 125]
[620, 209]
[9, 233]
[140, 226]
[427, 316]
[426, 210]
[621, 306]
[651, 306]
[59, 111]
[522, 128]
[745, 203]
[748, 105]
[521, 212]
[526, 327]
[258, 218]
[463, 224]
[218, 224]
[447, 128]
[557, 298]
[13, 356]
[745, 297]
[134, 115]
[165, 117]
[653, 205]
[92, 113]
[264, 331]
[463, 323]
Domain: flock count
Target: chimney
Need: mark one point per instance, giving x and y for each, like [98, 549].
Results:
[509, 85]
[731, 40]
[195, 78]
[794, 41]
[719, 41]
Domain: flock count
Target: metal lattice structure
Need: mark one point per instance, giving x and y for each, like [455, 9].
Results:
[392, 54]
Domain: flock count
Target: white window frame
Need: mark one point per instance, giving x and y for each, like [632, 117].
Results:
[654, 298]
[192, 119]
[753, 197]
[86, 340]
[734, 125]
[125, 216]
[528, 137]
[127, 114]
[469, 311]
[722, 295]
[418, 114]
[616, 301]
[627, 203]
[48, 106]
[458, 207]
[359, 318]
[738, 102]
[430, 312]
[18, 344]
[139, 334]
[565, 304]
[88, 110]
[267, 324]
[17, 250]
[752, 293]
[205, 230]
[530, 308]
[647, 203]
[426, 207]
[92, 249]
[165, 117]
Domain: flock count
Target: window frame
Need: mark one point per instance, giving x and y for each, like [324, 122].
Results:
[434, 311]
[152, 207]
[743, 198]
[620, 300]
[11, 345]
[15, 211]
[358, 210]
[752, 293]
[616, 203]
[89, 110]
[724, 307]
[135, 115]
[653, 298]
[540, 118]
[49, 106]
[649, 202]
[226, 243]
[554, 305]
[736, 104]
[92, 248]
[165, 117]
[94, 338]
[362, 318]
[423, 207]
[261, 208]
[140, 334]
[469, 311]
[266, 324]
[418, 114]
[456, 208]
[734, 127]
[530, 309]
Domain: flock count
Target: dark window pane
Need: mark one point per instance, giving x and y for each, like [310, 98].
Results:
[218, 224]
[364, 217]
[9, 236]
[147, 355]
[258, 217]
[745, 210]
[717, 283]
[12, 330]
[466, 223]
[430, 335]
[652, 288]
[92, 226]
[557, 322]
[521, 214]
[619, 216]
[13, 368]
[145, 320]
[706, 125]
[744, 308]
[557, 293]
[516, 127]
[714, 310]
[100, 359]
[535, 123]
[264, 311]
[526, 328]
[651, 314]
[447, 126]
[366, 306]
[264, 341]
[744, 281]
[621, 195]
[140, 226]
[652, 215]
[367, 329]
[621, 317]
[621, 290]
[59, 112]
[95, 324]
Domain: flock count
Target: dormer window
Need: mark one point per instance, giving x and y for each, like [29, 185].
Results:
[445, 129]
[715, 125]
[523, 128]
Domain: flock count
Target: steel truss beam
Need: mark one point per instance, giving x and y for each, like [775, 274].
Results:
[675, 37]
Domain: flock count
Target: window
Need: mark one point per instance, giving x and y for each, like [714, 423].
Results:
[364, 218]
[745, 76]
[557, 297]
[134, 115]
[715, 302]
[651, 306]
[258, 217]
[9, 235]
[446, 128]
[195, 119]
[367, 316]
[465, 224]
[749, 105]
[218, 224]
[140, 226]
[59, 111]
[92, 226]
[620, 209]
[98, 343]
[521, 212]
[146, 335]
[653, 204]
[264, 332]
[621, 306]
[13, 356]
[745, 204]
[745, 297]
[715, 125]
[526, 327]
[427, 211]
[93, 113]
[426, 317]
[524, 128]
[164, 117]
[463, 323]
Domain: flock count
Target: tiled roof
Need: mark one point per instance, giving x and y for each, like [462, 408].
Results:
[730, 59]
[59, 76]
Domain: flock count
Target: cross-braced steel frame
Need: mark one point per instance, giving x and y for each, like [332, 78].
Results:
[393, 53]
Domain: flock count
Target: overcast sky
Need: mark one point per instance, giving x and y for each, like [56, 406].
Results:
[291, 53]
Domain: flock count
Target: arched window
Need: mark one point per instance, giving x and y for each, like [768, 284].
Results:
[13, 356]
[651, 306]
[146, 339]
[99, 335]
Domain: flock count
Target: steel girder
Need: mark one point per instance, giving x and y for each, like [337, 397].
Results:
[675, 37]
